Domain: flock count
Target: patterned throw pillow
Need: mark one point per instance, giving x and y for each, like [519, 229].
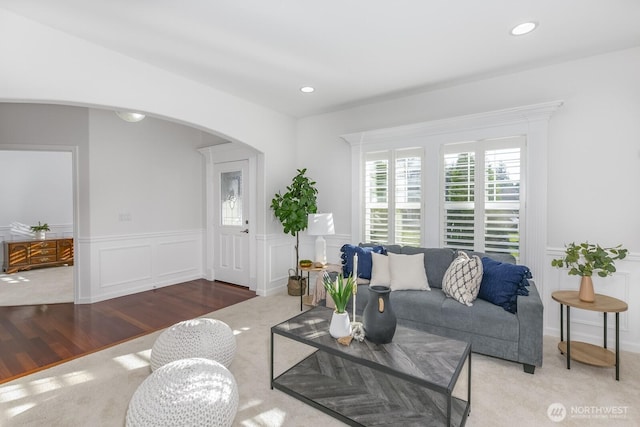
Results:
[462, 279]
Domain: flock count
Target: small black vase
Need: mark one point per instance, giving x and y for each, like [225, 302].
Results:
[378, 319]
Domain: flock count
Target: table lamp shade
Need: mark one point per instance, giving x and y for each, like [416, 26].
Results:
[320, 225]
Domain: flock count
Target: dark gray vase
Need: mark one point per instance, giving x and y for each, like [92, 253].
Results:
[378, 319]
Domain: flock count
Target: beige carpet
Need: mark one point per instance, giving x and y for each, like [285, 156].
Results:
[94, 390]
[39, 286]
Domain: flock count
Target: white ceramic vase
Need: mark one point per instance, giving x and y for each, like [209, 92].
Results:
[340, 325]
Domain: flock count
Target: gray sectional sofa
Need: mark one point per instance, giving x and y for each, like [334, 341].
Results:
[490, 329]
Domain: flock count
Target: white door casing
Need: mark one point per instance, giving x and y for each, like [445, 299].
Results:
[231, 221]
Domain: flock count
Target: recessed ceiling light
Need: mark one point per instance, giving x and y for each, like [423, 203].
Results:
[524, 28]
[307, 89]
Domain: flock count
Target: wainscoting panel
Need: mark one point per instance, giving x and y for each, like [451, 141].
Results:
[588, 325]
[114, 266]
[175, 258]
[281, 259]
[121, 265]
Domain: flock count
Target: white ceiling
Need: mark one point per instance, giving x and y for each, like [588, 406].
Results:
[351, 51]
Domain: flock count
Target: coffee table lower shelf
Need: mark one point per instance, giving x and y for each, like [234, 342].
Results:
[360, 396]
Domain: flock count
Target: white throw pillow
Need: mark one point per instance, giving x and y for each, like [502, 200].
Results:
[462, 279]
[380, 270]
[407, 272]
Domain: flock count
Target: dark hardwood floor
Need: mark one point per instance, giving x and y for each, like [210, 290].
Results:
[39, 336]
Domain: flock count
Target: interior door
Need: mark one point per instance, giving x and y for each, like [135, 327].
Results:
[231, 222]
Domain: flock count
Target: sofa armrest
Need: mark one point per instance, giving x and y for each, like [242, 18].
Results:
[530, 319]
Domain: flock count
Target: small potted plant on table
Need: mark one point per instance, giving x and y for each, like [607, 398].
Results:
[584, 259]
[340, 291]
[40, 230]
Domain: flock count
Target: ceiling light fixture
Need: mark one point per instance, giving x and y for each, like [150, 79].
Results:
[130, 116]
[307, 89]
[524, 28]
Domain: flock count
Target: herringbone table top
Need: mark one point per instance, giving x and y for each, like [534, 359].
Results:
[408, 381]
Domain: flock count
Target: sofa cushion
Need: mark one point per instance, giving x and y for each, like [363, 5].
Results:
[364, 259]
[407, 272]
[419, 307]
[396, 249]
[502, 283]
[501, 257]
[462, 279]
[436, 262]
[380, 274]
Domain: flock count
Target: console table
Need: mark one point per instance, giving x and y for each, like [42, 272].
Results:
[584, 352]
[28, 254]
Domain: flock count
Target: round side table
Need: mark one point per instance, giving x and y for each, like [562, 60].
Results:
[581, 351]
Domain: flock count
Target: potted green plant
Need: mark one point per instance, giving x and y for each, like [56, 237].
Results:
[585, 259]
[292, 210]
[340, 291]
[40, 230]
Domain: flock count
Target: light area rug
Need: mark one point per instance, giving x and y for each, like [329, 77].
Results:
[39, 286]
[95, 390]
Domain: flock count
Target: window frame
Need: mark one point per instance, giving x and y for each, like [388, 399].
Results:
[532, 121]
[391, 156]
[480, 201]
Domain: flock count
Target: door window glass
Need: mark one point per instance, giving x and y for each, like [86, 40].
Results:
[231, 194]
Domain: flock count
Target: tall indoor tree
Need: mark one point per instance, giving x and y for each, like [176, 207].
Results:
[293, 208]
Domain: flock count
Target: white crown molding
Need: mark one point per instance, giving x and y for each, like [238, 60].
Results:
[528, 113]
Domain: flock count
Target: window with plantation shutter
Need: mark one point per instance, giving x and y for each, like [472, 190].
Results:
[393, 197]
[482, 203]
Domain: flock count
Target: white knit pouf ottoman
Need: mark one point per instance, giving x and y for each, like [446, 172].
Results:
[208, 338]
[187, 392]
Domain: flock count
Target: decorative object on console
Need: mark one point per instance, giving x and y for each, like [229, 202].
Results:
[340, 325]
[462, 279]
[292, 210]
[357, 331]
[340, 291]
[40, 230]
[584, 259]
[320, 225]
[378, 319]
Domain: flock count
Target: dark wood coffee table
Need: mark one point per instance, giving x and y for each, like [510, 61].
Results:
[407, 382]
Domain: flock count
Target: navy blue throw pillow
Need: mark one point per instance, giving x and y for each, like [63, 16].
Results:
[503, 282]
[365, 262]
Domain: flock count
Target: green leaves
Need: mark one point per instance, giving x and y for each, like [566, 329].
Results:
[584, 259]
[340, 290]
[293, 207]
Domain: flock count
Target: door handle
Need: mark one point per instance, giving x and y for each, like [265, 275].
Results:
[246, 230]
